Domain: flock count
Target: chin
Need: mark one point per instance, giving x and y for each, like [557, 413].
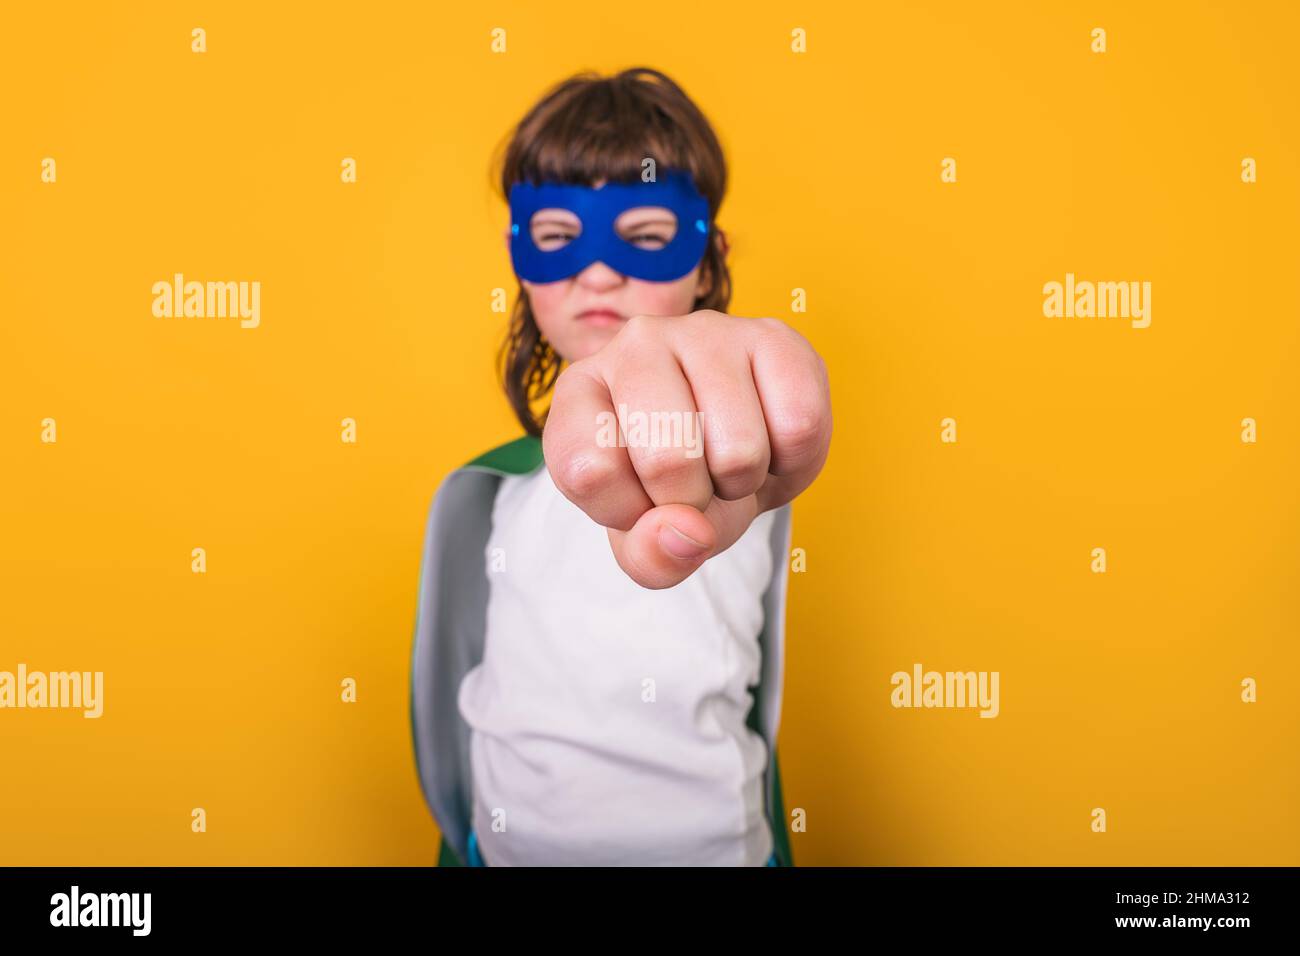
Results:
[592, 340]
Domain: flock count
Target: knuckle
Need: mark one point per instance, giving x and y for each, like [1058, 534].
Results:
[798, 428]
[639, 325]
[568, 378]
[822, 366]
[632, 339]
[578, 367]
[662, 465]
[786, 337]
[582, 476]
[738, 460]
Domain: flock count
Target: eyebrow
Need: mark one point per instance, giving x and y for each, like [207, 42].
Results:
[556, 218]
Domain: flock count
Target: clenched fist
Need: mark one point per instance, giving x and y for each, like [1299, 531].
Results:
[760, 437]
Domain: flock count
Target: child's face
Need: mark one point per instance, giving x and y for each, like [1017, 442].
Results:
[559, 307]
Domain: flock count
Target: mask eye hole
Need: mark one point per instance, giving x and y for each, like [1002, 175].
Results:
[553, 229]
[647, 227]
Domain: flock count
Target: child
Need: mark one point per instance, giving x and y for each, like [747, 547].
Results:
[591, 702]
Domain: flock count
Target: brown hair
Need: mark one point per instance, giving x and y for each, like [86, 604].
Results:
[588, 128]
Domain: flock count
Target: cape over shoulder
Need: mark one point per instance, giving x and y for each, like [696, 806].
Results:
[518, 457]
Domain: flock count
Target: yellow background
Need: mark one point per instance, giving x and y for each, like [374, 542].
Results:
[222, 690]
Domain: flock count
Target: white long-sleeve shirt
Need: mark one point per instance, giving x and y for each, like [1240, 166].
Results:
[608, 721]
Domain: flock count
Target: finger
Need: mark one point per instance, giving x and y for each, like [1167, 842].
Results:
[669, 543]
[587, 468]
[731, 419]
[657, 410]
[794, 389]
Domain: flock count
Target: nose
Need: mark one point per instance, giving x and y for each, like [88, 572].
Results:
[600, 276]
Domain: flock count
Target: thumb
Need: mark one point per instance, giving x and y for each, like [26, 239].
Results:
[669, 543]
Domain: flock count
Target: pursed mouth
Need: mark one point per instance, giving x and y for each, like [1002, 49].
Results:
[601, 317]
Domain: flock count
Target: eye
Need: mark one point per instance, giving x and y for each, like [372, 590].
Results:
[553, 238]
[554, 229]
[649, 240]
[647, 227]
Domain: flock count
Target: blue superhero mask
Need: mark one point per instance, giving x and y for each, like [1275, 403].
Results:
[599, 241]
